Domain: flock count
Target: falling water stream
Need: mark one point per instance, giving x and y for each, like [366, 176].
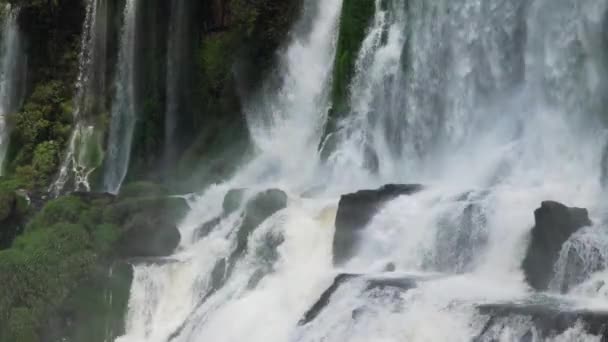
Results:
[13, 69]
[84, 153]
[493, 105]
[123, 106]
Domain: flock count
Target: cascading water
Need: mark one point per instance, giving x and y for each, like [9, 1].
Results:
[123, 106]
[84, 153]
[492, 105]
[13, 68]
[177, 63]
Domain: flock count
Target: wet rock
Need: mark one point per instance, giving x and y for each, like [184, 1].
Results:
[257, 210]
[554, 224]
[322, 302]
[546, 320]
[232, 201]
[148, 225]
[356, 210]
[389, 284]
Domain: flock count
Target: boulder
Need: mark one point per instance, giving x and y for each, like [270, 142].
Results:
[232, 201]
[356, 210]
[257, 210]
[554, 224]
[148, 225]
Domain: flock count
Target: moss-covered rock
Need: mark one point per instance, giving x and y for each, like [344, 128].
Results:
[95, 310]
[148, 225]
[58, 275]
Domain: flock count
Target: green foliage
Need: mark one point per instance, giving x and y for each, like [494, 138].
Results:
[40, 133]
[37, 273]
[64, 209]
[21, 326]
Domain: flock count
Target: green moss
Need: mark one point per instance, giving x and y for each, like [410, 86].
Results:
[40, 132]
[354, 22]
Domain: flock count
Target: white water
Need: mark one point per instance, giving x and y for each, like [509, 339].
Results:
[84, 153]
[123, 106]
[13, 68]
[493, 105]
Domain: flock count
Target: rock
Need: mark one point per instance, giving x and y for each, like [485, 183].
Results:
[232, 201]
[554, 224]
[148, 225]
[547, 320]
[380, 283]
[356, 210]
[257, 210]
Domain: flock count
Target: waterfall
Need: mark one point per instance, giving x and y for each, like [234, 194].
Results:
[177, 63]
[494, 106]
[13, 68]
[123, 106]
[84, 152]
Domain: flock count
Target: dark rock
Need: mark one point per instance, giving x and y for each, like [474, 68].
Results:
[356, 210]
[379, 283]
[547, 320]
[322, 302]
[206, 228]
[554, 224]
[232, 201]
[257, 210]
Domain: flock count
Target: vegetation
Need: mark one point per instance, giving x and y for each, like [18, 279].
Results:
[354, 22]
